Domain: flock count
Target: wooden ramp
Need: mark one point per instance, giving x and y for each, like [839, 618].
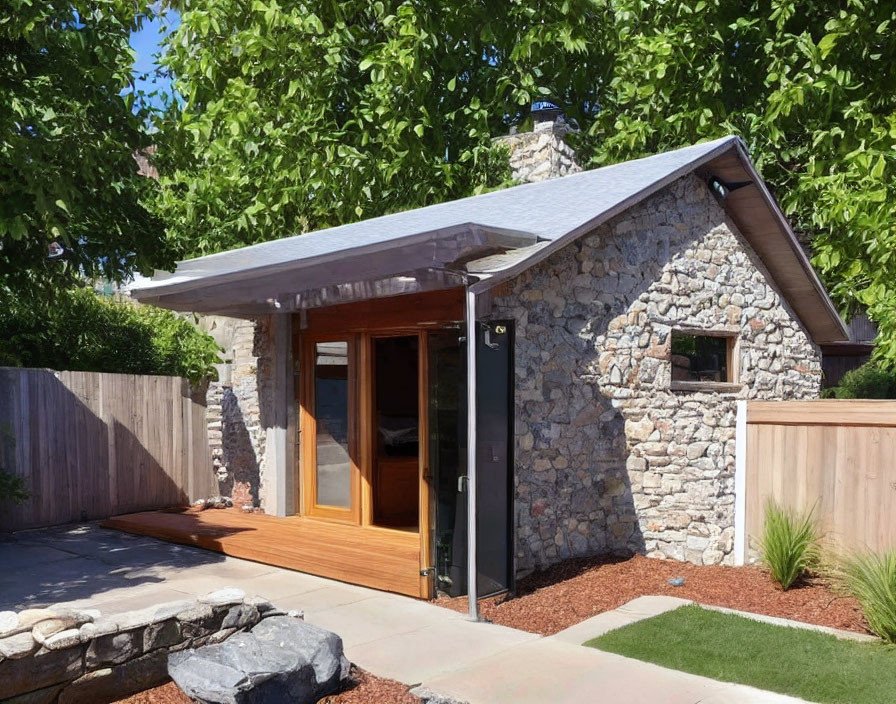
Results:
[367, 555]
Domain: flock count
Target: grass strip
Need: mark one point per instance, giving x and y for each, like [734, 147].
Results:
[814, 666]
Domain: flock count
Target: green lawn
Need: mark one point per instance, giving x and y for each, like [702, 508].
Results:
[794, 661]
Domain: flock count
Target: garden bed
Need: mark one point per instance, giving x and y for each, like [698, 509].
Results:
[568, 593]
[813, 666]
[365, 689]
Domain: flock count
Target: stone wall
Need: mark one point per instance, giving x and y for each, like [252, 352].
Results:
[237, 406]
[608, 458]
[67, 657]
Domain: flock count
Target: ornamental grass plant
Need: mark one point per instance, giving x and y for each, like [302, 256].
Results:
[789, 544]
[871, 579]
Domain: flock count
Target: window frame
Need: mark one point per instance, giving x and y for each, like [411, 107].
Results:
[732, 360]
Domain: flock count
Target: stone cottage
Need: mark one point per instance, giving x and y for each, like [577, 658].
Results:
[619, 314]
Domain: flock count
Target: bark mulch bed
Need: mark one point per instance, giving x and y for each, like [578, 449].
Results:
[568, 593]
[364, 689]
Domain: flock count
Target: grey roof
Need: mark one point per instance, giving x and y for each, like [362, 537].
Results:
[546, 210]
[488, 238]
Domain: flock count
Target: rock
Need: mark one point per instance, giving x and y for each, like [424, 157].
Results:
[29, 617]
[18, 646]
[223, 597]
[114, 648]
[163, 634]
[63, 639]
[9, 622]
[43, 669]
[430, 697]
[45, 695]
[280, 659]
[639, 431]
[114, 683]
[240, 616]
[263, 605]
[61, 621]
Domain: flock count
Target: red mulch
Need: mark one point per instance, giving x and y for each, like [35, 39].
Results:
[166, 694]
[364, 689]
[368, 689]
[568, 593]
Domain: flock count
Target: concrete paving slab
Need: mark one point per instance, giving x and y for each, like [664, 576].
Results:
[17, 557]
[560, 673]
[647, 606]
[379, 617]
[594, 627]
[330, 597]
[437, 650]
[630, 612]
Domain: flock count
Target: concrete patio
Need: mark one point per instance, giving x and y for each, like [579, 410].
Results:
[389, 635]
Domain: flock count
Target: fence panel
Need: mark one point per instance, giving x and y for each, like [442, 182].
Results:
[836, 455]
[93, 445]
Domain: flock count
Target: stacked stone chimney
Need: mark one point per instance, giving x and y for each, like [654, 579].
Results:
[542, 153]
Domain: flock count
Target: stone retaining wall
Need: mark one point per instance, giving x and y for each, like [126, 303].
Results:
[610, 459]
[50, 656]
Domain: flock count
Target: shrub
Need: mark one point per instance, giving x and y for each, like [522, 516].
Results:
[871, 380]
[81, 331]
[871, 579]
[789, 543]
[12, 488]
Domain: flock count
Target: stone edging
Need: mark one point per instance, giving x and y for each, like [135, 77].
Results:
[62, 656]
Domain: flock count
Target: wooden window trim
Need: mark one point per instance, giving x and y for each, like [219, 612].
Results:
[732, 361]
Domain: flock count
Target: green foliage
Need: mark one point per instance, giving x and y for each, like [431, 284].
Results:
[78, 330]
[871, 380]
[871, 579]
[301, 115]
[12, 488]
[67, 139]
[808, 85]
[789, 543]
[812, 666]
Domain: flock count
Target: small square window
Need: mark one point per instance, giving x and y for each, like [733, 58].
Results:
[701, 359]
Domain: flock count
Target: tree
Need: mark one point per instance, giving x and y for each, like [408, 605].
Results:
[810, 86]
[68, 133]
[301, 115]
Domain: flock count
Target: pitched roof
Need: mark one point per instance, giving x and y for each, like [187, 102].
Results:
[488, 238]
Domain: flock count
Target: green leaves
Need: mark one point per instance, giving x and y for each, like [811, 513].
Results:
[355, 108]
[69, 129]
[809, 86]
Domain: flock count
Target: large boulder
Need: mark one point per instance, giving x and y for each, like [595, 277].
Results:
[282, 659]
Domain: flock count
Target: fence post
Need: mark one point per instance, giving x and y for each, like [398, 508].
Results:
[740, 485]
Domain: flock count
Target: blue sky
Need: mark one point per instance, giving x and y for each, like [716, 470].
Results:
[146, 44]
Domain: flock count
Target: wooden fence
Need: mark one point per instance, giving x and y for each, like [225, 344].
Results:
[837, 455]
[93, 445]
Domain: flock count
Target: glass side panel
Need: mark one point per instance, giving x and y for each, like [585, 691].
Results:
[331, 414]
[447, 450]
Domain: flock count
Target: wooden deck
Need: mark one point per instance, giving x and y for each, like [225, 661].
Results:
[367, 555]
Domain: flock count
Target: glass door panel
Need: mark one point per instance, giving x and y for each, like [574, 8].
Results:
[333, 480]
